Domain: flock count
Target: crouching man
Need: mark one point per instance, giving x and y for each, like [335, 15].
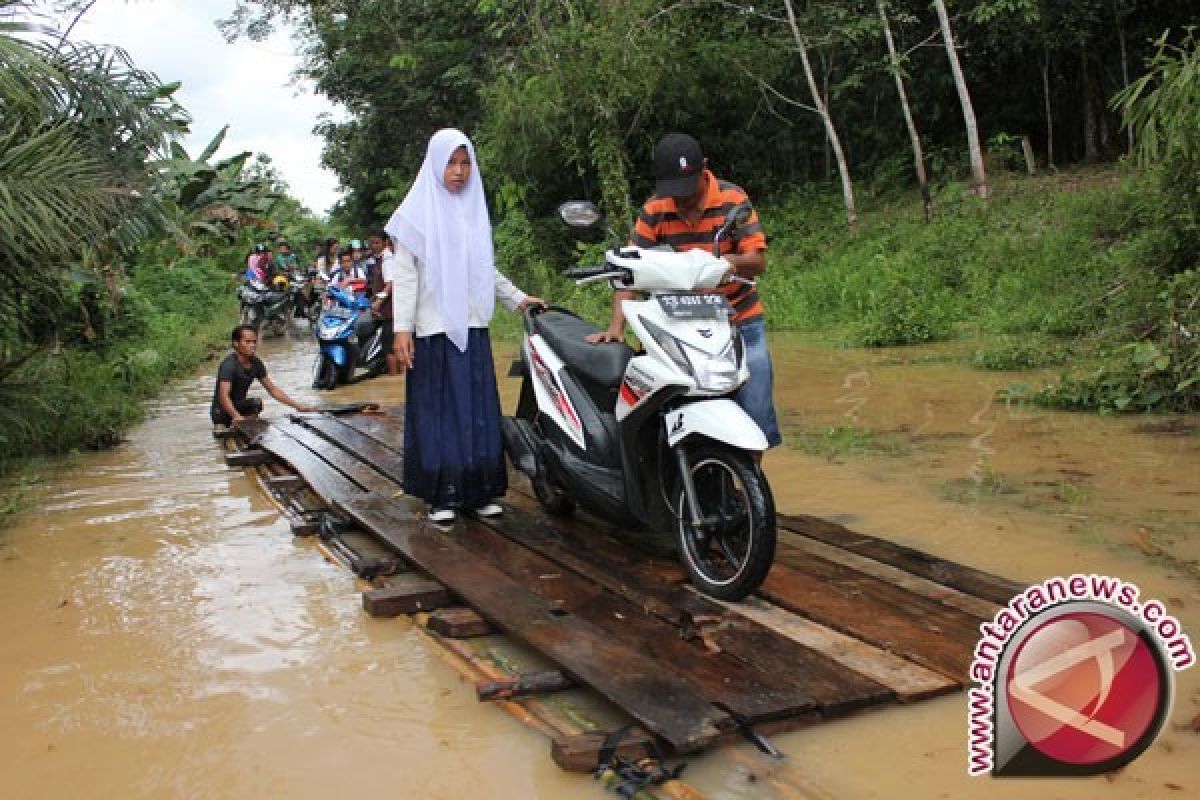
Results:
[236, 373]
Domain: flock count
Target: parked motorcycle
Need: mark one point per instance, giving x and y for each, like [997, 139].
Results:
[650, 439]
[301, 293]
[349, 338]
[265, 306]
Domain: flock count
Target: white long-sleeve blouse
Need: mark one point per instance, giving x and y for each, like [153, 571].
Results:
[414, 307]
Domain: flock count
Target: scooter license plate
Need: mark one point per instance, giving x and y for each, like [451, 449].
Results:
[694, 306]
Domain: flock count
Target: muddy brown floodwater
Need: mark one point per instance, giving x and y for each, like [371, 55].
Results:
[163, 635]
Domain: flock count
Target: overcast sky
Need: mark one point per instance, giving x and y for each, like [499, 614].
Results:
[247, 85]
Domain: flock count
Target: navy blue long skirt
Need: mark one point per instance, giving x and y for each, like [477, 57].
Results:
[453, 451]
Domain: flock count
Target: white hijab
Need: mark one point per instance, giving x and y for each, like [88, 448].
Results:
[450, 234]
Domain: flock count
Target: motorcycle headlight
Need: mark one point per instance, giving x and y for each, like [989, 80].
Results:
[712, 373]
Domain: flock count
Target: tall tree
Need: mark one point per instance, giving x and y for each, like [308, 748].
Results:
[822, 110]
[913, 135]
[974, 149]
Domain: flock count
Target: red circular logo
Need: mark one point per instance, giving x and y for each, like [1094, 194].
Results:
[1084, 688]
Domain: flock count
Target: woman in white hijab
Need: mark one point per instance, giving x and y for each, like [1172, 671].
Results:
[444, 291]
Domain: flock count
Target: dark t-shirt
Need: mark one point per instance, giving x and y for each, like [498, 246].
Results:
[239, 378]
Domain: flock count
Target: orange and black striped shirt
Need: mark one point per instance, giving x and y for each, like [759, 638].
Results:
[659, 223]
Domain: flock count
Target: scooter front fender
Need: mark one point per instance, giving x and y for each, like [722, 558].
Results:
[720, 419]
[337, 353]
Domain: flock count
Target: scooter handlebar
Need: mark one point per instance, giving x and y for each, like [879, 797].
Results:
[585, 275]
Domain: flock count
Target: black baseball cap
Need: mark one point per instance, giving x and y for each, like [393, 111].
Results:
[678, 165]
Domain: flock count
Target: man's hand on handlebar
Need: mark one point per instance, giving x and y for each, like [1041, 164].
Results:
[604, 336]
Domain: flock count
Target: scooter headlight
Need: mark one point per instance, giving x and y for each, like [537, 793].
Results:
[712, 373]
[717, 373]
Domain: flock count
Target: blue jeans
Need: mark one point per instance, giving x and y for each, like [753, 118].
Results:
[755, 395]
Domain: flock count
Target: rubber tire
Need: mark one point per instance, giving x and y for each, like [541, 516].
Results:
[277, 326]
[314, 315]
[345, 374]
[760, 552]
[555, 501]
[248, 316]
[324, 373]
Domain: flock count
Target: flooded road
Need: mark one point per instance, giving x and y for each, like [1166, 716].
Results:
[164, 635]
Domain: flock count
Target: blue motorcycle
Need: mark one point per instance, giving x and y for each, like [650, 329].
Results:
[349, 337]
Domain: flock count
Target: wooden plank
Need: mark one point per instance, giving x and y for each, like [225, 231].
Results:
[283, 483]
[302, 526]
[727, 682]
[793, 549]
[909, 681]
[250, 457]
[582, 752]
[323, 479]
[830, 685]
[458, 623]
[966, 579]
[877, 612]
[386, 429]
[406, 594]
[659, 700]
[526, 683]
[386, 461]
[346, 463]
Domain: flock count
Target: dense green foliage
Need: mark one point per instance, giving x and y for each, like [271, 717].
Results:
[171, 318]
[566, 97]
[1067, 270]
[116, 246]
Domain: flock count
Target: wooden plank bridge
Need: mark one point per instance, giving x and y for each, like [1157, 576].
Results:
[844, 620]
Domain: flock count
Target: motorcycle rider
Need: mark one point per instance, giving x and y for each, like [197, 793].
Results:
[346, 270]
[688, 206]
[381, 277]
[286, 261]
[256, 264]
[234, 376]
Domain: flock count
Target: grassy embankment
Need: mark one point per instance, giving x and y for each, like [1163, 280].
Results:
[83, 395]
[1076, 269]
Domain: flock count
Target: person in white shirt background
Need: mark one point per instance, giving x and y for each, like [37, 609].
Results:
[444, 290]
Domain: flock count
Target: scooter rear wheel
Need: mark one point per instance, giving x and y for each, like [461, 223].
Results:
[552, 498]
[729, 556]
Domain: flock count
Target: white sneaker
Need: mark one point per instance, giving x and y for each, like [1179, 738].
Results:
[441, 515]
[489, 510]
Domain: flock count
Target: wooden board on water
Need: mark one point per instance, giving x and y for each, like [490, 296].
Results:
[966, 579]
[852, 620]
[657, 698]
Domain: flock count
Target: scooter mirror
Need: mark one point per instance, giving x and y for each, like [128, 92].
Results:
[579, 213]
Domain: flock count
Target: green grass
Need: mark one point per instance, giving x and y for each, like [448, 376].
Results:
[838, 442]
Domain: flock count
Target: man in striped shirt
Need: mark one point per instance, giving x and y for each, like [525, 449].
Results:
[688, 206]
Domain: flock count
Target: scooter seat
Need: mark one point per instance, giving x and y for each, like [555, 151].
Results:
[601, 364]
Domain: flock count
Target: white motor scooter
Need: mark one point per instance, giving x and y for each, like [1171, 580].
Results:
[650, 439]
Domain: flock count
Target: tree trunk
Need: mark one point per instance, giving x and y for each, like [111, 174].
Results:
[1124, 69]
[1049, 115]
[914, 137]
[1091, 150]
[978, 172]
[830, 131]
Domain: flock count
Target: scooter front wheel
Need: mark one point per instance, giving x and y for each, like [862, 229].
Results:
[324, 372]
[730, 553]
